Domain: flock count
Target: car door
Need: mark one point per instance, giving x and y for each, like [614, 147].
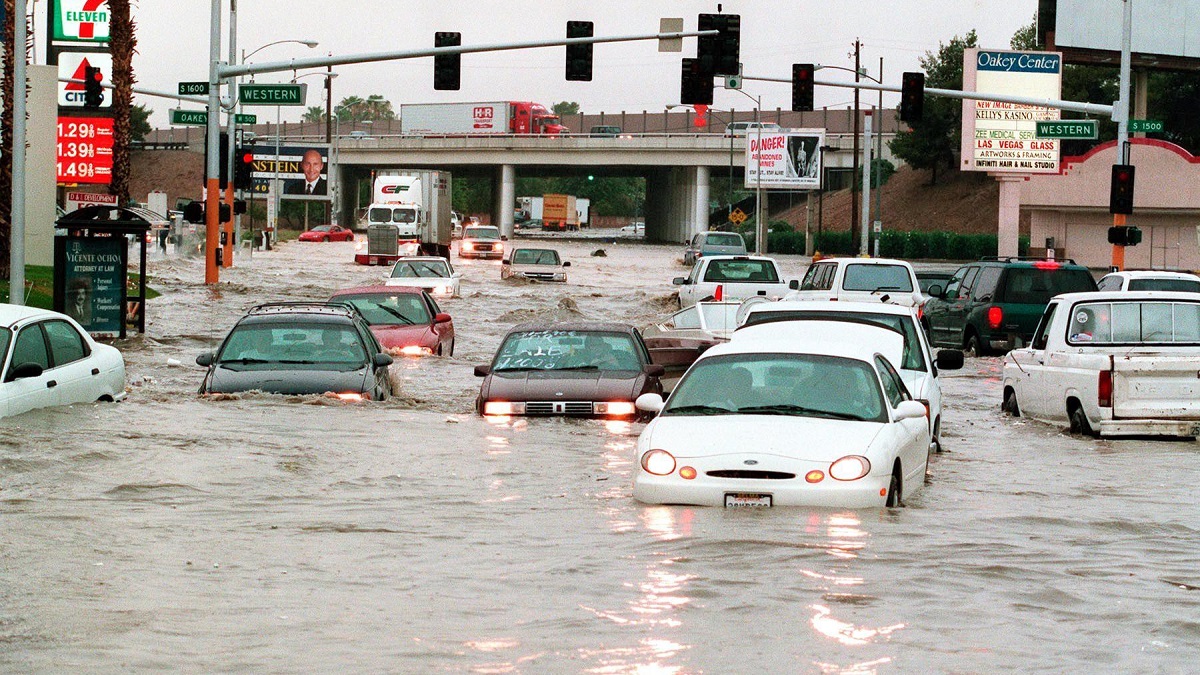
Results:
[1032, 379]
[937, 312]
[912, 434]
[79, 379]
[27, 393]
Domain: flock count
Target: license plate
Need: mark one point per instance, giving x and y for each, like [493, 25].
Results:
[739, 500]
[1195, 430]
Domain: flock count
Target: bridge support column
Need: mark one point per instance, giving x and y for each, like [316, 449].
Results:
[506, 198]
[658, 207]
[688, 202]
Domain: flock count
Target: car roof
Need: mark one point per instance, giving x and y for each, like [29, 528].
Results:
[739, 256]
[1017, 261]
[827, 307]
[1128, 296]
[1153, 274]
[867, 261]
[530, 248]
[830, 338]
[421, 258]
[12, 314]
[578, 326]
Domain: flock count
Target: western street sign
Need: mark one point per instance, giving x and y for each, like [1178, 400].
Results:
[1085, 129]
[272, 94]
[1145, 126]
[193, 89]
[245, 118]
[192, 117]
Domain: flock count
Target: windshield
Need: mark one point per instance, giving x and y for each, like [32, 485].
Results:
[913, 357]
[877, 277]
[388, 309]
[567, 350]
[482, 233]
[724, 239]
[1186, 285]
[762, 271]
[805, 385]
[1035, 286]
[535, 256]
[259, 344]
[927, 280]
[387, 214]
[408, 269]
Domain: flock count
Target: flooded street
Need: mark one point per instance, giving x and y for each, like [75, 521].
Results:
[277, 534]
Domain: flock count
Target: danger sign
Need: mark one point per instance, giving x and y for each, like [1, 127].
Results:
[81, 20]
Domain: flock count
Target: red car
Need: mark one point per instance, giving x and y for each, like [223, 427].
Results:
[328, 233]
[405, 320]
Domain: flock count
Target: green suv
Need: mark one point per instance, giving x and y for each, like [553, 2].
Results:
[994, 305]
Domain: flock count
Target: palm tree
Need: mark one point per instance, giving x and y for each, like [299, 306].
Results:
[122, 45]
[314, 113]
[379, 108]
[6, 138]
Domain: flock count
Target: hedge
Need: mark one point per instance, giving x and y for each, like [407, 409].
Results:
[904, 245]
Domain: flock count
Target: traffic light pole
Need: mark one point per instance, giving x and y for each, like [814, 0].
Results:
[212, 171]
[1121, 117]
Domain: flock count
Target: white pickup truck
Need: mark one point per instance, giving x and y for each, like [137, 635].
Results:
[733, 277]
[1112, 363]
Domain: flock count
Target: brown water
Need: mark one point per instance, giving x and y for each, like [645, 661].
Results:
[294, 535]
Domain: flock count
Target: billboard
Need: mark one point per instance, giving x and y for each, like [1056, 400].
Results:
[789, 159]
[1165, 33]
[1001, 137]
[303, 170]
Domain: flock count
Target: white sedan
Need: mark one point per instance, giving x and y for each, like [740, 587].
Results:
[49, 360]
[790, 421]
[432, 273]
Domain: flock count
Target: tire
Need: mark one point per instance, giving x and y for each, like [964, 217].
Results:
[1010, 406]
[325, 240]
[974, 346]
[894, 498]
[451, 348]
[1079, 422]
[937, 434]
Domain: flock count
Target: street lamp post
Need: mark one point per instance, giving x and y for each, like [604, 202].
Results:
[760, 225]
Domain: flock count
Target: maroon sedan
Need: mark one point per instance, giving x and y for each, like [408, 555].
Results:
[405, 320]
[574, 368]
[328, 233]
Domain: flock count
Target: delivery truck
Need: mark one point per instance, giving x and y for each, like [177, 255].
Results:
[493, 117]
[409, 214]
[559, 213]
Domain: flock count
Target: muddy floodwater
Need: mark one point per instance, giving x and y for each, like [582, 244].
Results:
[270, 534]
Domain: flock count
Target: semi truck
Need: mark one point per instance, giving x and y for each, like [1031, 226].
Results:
[409, 214]
[492, 117]
[533, 210]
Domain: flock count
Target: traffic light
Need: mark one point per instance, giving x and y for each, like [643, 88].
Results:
[239, 206]
[93, 90]
[1125, 235]
[579, 57]
[194, 212]
[802, 87]
[243, 169]
[1120, 195]
[222, 159]
[912, 96]
[695, 86]
[719, 54]
[447, 69]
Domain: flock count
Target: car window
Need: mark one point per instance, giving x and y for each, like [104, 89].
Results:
[723, 239]
[5, 339]
[482, 233]
[409, 269]
[1135, 323]
[825, 283]
[29, 347]
[760, 271]
[968, 282]
[535, 256]
[893, 386]
[985, 285]
[687, 318]
[1035, 285]
[816, 276]
[877, 277]
[386, 309]
[1109, 283]
[253, 345]
[1185, 285]
[66, 344]
[404, 216]
[952, 285]
[1042, 335]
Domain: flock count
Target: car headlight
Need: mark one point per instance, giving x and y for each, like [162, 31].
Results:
[504, 408]
[614, 408]
[353, 396]
[851, 467]
[498, 247]
[658, 462]
[414, 350]
[468, 246]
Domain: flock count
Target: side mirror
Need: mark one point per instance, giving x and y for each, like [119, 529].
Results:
[503, 237]
[456, 275]
[794, 284]
[382, 360]
[908, 410]
[25, 370]
[483, 371]
[206, 359]
[441, 317]
[566, 264]
[949, 359]
[654, 369]
[679, 281]
[937, 291]
[651, 403]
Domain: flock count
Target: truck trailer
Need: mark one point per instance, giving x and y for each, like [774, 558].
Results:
[410, 214]
[492, 117]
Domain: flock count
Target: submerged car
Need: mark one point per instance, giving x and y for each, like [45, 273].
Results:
[405, 320]
[481, 241]
[299, 348]
[432, 273]
[581, 369]
[713, 243]
[327, 233]
[50, 360]
[539, 264]
[677, 341]
[793, 421]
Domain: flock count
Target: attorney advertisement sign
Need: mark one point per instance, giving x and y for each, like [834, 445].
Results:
[1002, 137]
[784, 160]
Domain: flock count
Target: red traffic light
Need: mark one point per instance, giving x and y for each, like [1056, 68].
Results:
[248, 158]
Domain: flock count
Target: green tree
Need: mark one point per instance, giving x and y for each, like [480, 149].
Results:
[933, 140]
[314, 113]
[139, 122]
[1173, 98]
[357, 109]
[564, 108]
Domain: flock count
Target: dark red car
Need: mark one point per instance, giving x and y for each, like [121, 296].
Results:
[406, 321]
[328, 233]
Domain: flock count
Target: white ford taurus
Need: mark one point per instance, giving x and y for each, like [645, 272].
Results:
[794, 420]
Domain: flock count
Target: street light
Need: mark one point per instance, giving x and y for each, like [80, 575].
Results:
[307, 43]
[760, 226]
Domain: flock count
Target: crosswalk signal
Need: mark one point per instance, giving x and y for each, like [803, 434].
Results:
[93, 89]
[1120, 195]
[695, 85]
[1125, 235]
[720, 54]
[243, 169]
[579, 57]
[802, 86]
[912, 96]
[447, 69]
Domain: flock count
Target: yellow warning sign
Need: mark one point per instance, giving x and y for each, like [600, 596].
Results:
[737, 217]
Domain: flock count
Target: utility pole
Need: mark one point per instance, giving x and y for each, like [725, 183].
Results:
[854, 175]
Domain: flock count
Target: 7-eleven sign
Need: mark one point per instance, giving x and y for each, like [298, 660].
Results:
[81, 20]
[71, 65]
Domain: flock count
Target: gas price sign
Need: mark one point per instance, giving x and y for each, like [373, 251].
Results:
[85, 150]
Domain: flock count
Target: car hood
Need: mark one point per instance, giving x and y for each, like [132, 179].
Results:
[542, 385]
[807, 438]
[401, 335]
[277, 381]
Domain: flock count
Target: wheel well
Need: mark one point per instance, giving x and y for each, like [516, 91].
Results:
[1073, 404]
[1008, 390]
[898, 472]
[106, 398]
[967, 333]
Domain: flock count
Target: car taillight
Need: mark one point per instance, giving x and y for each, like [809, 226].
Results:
[1104, 389]
[719, 294]
[995, 316]
[1046, 265]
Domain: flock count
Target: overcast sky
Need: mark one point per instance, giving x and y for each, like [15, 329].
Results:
[173, 39]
